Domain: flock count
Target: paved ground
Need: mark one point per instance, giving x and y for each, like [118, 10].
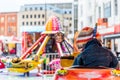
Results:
[19, 76]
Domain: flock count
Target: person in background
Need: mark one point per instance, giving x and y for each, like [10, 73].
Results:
[93, 54]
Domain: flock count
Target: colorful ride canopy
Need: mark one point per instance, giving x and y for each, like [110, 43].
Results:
[53, 25]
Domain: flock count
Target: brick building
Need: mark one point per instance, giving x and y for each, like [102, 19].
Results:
[8, 24]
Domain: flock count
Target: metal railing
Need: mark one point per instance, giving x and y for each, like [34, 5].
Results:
[50, 63]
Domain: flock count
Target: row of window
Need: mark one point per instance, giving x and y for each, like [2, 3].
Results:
[33, 16]
[68, 31]
[68, 18]
[10, 30]
[67, 12]
[107, 9]
[9, 19]
[39, 23]
[41, 8]
[33, 23]
[38, 16]
[68, 25]
[36, 8]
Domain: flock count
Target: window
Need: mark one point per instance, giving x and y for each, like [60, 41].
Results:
[75, 0]
[75, 11]
[90, 19]
[2, 19]
[81, 24]
[75, 25]
[35, 8]
[23, 23]
[26, 16]
[30, 9]
[70, 24]
[2, 29]
[99, 12]
[40, 8]
[43, 22]
[39, 23]
[34, 23]
[9, 29]
[13, 19]
[26, 23]
[50, 8]
[43, 16]
[35, 16]
[107, 10]
[65, 12]
[30, 16]
[25, 9]
[70, 32]
[23, 16]
[116, 7]
[9, 19]
[30, 23]
[39, 16]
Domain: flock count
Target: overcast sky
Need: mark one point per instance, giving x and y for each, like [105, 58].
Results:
[14, 5]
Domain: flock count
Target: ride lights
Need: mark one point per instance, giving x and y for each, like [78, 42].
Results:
[62, 72]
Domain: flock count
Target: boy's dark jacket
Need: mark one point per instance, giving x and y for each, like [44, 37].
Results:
[95, 55]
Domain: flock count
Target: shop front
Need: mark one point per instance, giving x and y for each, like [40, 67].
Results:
[8, 45]
[111, 37]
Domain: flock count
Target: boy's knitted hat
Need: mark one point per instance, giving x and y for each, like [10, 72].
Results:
[86, 34]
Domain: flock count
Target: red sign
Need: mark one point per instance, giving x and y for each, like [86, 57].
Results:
[110, 30]
[102, 22]
[107, 31]
[117, 28]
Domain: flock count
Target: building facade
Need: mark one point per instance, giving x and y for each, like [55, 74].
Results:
[75, 15]
[86, 13]
[38, 14]
[107, 14]
[8, 32]
[8, 24]
[109, 9]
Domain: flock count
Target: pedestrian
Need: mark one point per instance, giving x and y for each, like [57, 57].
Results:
[93, 54]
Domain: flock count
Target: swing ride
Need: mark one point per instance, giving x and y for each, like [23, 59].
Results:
[24, 64]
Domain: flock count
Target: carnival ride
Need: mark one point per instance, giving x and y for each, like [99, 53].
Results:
[87, 73]
[24, 64]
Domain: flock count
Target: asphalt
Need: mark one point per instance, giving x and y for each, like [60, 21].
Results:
[5, 75]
